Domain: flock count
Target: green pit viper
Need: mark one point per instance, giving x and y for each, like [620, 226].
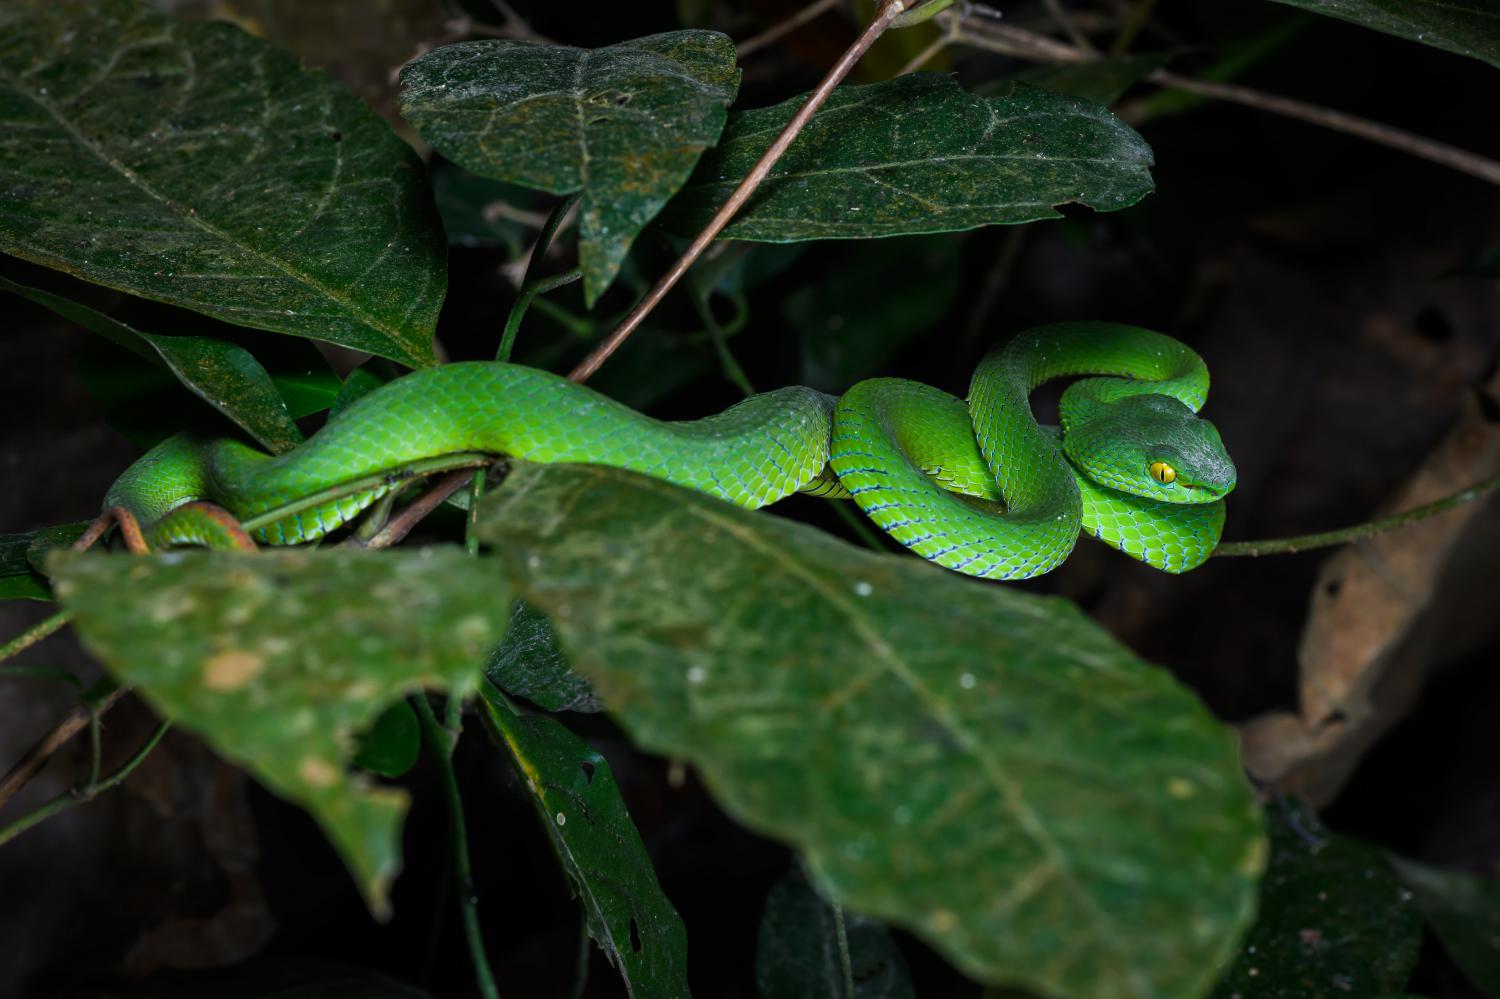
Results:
[981, 488]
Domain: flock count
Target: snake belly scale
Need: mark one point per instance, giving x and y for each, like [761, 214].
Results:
[977, 487]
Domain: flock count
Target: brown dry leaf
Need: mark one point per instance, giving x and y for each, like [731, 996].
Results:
[1384, 612]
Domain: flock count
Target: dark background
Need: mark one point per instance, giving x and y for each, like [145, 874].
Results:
[1310, 269]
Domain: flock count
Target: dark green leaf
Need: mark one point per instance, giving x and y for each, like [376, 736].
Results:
[983, 766]
[1464, 911]
[224, 375]
[391, 746]
[1333, 922]
[359, 383]
[279, 659]
[1467, 27]
[190, 163]
[21, 555]
[918, 154]
[1100, 81]
[580, 806]
[24, 586]
[478, 211]
[45, 540]
[847, 333]
[527, 663]
[797, 952]
[622, 124]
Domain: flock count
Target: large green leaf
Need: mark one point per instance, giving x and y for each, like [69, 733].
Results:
[1467, 27]
[1464, 912]
[579, 803]
[797, 949]
[190, 163]
[918, 154]
[622, 124]
[280, 659]
[224, 375]
[1333, 921]
[527, 663]
[983, 766]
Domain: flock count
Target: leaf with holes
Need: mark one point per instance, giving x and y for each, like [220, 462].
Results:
[190, 163]
[1466, 28]
[983, 766]
[279, 660]
[918, 154]
[580, 807]
[623, 124]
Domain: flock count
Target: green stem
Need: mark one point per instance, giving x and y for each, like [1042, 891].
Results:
[377, 518]
[857, 524]
[727, 362]
[846, 964]
[1357, 532]
[400, 473]
[441, 740]
[476, 493]
[533, 284]
[84, 794]
[34, 634]
[529, 291]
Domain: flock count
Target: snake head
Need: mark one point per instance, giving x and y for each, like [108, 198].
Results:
[1152, 446]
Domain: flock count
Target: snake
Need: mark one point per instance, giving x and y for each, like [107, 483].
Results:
[975, 485]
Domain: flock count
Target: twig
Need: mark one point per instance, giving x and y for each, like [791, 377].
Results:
[517, 25]
[846, 965]
[1064, 20]
[37, 632]
[1025, 44]
[87, 793]
[783, 28]
[1338, 121]
[32, 763]
[442, 741]
[889, 10]
[401, 525]
[1357, 532]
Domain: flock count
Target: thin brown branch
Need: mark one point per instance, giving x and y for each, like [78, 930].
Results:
[1338, 121]
[1064, 20]
[32, 763]
[1024, 44]
[401, 525]
[888, 12]
[781, 29]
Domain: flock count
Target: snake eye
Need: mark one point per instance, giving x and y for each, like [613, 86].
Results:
[1163, 473]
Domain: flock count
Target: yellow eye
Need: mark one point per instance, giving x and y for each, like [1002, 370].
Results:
[1162, 472]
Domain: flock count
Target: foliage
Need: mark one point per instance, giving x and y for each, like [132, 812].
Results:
[979, 770]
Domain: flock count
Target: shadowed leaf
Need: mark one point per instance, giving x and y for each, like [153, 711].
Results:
[527, 663]
[622, 124]
[224, 375]
[576, 797]
[1465, 28]
[1333, 919]
[918, 154]
[190, 163]
[1464, 912]
[982, 766]
[280, 659]
[797, 951]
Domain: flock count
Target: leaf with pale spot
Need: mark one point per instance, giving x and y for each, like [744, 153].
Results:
[985, 767]
[918, 154]
[191, 163]
[623, 124]
[279, 660]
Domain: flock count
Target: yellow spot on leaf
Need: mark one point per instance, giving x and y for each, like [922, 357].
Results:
[1180, 787]
[317, 772]
[231, 669]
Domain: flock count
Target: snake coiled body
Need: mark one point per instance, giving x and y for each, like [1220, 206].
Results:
[980, 488]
